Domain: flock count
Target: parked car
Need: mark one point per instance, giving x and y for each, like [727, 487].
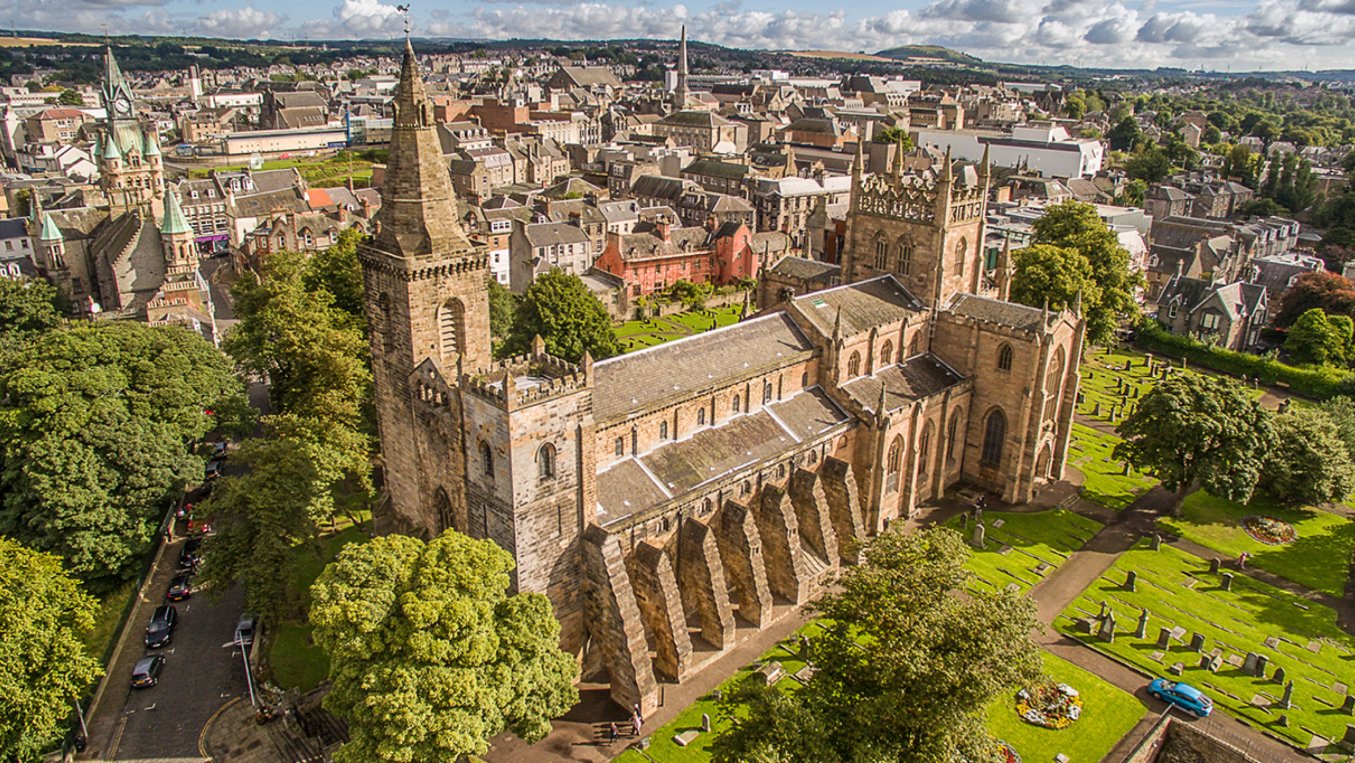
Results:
[219, 450]
[244, 630]
[161, 627]
[180, 588]
[1182, 695]
[146, 673]
[188, 557]
[213, 470]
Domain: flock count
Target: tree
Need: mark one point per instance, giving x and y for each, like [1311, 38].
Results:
[1316, 339]
[44, 612]
[1259, 207]
[1124, 134]
[1131, 194]
[70, 97]
[1151, 166]
[95, 434]
[1053, 273]
[895, 135]
[906, 668]
[562, 311]
[1076, 226]
[1340, 411]
[299, 476]
[502, 305]
[429, 655]
[291, 333]
[336, 271]
[27, 309]
[1308, 462]
[1333, 294]
[1192, 428]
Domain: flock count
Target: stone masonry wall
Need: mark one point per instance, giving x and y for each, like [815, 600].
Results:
[787, 575]
[811, 509]
[656, 591]
[741, 552]
[612, 617]
[701, 581]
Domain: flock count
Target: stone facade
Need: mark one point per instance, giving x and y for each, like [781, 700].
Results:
[671, 501]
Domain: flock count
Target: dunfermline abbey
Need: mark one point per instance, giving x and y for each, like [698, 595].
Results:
[674, 500]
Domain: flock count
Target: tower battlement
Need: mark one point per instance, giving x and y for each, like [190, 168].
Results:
[525, 380]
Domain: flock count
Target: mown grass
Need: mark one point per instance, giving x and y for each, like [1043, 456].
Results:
[639, 334]
[1090, 451]
[1016, 550]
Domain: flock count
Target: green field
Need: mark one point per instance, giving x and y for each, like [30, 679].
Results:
[318, 171]
[1314, 560]
[1178, 590]
[296, 663]
[1107, 715]
[1023, 543]
[639, 334]
[1090, 452]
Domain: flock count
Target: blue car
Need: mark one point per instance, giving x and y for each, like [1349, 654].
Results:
[1184, 696]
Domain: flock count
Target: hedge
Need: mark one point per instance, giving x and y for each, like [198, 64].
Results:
[1316, 382]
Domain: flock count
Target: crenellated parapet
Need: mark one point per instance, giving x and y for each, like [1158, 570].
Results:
[524, 380]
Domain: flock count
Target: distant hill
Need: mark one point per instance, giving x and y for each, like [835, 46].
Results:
[904, 52]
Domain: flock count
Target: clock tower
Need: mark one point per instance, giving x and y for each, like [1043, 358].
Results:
[128, 151]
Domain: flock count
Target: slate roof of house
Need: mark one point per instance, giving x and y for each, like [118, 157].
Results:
[708, 119]
[1184, 291]
[259, 204]
[717, 168]
[996, 311]
[862, 305]
[590, 76]
[551, 234]
[630, 384]
[647, 244]
[804, 269]
[1240, 298]
[918, 377]
[660, 187]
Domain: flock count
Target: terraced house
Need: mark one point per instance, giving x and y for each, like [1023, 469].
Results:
[672, 501]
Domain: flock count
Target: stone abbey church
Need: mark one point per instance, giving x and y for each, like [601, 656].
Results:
[672, 501]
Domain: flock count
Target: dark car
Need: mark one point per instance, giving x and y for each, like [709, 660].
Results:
[161, 627]
[213, 470]
[147, 671]
[180, 588]
[219, 450]
[189, 557]
[244, 630]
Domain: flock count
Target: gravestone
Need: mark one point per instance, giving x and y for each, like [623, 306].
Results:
[1262, 662]
[1282, 721]
[979, 533]
[1164, 638]
[1096, 409]
[1249, 667]
[1177, 668]
[1350, 734]
[1105, 609]
[1348, 707]
[1279, 675]
[1197, 642]
[686, 737]
[1141, 629]
[1081, 397]
[1130, 579]
[1287, 699]
[705, 722]
[1108, 628]
[771, 672]
[1214, 565]
[1157, 541]
[1227, 582]
[964, 521]
[1212, 662]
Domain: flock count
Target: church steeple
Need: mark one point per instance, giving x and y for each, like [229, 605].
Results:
[680, 91]
[115, 93]
[418, 208]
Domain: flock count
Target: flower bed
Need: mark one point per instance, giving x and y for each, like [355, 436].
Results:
[1051, 705]
[1269, 530]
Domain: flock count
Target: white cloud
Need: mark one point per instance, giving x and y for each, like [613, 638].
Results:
[238, 22]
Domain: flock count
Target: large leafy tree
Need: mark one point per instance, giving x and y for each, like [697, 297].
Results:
[429, 655]
[27, 309]
[1193, 428]
[1075, 226]
[299, 476]
[1332, 293]
[335, 271]
[502, 306]
[1318, 339]
[96, 428]
[908, 664]
[1340, 411]
[1308, 462]
[1053, 273]
[562, 311]
[291, 332]
[43, 612]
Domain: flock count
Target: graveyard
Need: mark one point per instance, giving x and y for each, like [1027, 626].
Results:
[1105, 480]
[1277, 661]
[1021, 549]
[1311, 559]
[647, 332]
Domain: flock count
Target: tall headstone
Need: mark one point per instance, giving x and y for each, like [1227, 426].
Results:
[1107, 632]
[1197, 642]
[1227, 581]
[1141, 629]
[1157, 541]
[1164, 638]
[1287, 699]
[979, 533]
[705, 722]
[1350, 734]
[1348, 707]
[1130, 580]
[1105, 609]
[1279, 675]
[1262, 662]
[1214, 565]
[1249, 665]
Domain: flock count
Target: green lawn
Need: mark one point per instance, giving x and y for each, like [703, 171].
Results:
[296, 663]
[1107, 715]
[1089, 451]
[1099, 373]
[639, 334]
[1236, 622]
[1315, 560]
[1030, 540]
[319, 171]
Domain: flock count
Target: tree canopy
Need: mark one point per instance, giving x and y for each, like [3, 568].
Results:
[44, 611]
[1308, 462]
[27, 309]
[96, 429]
[429, 655]
[1055, 273]
[1075, 226]
[1329, 292]
[1193, 428]
[905, 670]
[1319, 339]
[562, 311]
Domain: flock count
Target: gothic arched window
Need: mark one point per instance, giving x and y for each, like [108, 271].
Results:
[545, 462]
[905, 256]
[994, 436]
[952, 430]
[894, 465]
[620, 446]
[854, 365]
[887, 353]
[736, 403]
[663, 430]
[1004, 358]
[881, 253]
[767, 392]
[701, 417]
[961, 253]
[487, 459]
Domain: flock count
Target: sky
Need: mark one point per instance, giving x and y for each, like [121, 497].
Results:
[1235, 35]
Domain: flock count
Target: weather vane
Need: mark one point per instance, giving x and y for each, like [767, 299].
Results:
[405, 10]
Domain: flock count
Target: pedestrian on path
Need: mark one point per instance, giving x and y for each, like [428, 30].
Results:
[635, 723]
[1242, 560]
[612, 733]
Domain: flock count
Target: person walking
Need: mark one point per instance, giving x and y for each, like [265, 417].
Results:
[612, 733]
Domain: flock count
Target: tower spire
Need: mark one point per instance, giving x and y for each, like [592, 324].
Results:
[680, 91]
[898, 158]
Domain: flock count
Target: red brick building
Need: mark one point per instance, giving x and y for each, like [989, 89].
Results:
[657, 255]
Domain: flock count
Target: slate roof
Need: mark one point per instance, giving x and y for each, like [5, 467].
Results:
[918, 377]
[660, 187]
[645, 245]
[707, 119]
[863, 306]
[717, 168]
[630, 384]
[804, 269]
[996, 311]
[1184, 291]
[550, 234]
